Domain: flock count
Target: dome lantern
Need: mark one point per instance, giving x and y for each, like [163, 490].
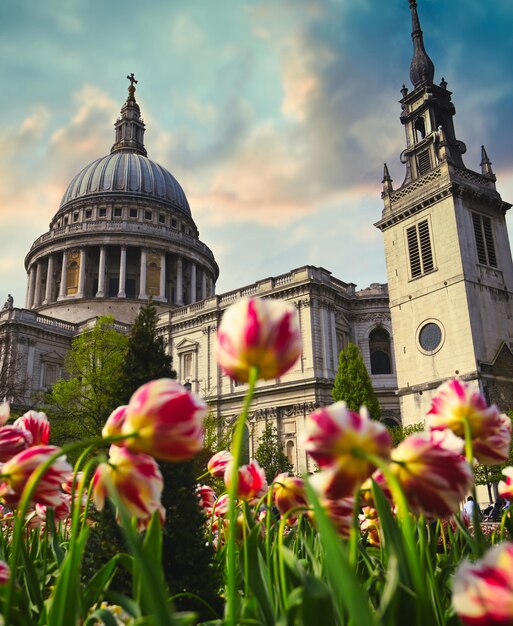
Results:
[130, 126]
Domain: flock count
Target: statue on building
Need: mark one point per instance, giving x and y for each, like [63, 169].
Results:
[9, 303]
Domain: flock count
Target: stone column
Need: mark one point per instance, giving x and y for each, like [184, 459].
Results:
[122, 273]
[162, 286]
[81, 274]
[49, 281]
[179, 282]
[101, 273]
[142, 276]
[64, 273]
[31, 285]
[193, 283]
[203, 284]
[37, 290]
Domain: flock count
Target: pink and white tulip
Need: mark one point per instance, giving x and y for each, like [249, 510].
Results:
[506, 486]
[289, 493]
[38, 426]
[457, 401]
[217, 464]
[207, 498]
[166, 419]
[13, 439]
[251, 485]
[493, 448]
[136, 478]
[483, 591]
[338, 439]
[340, 512]
[17, 471]
[435, 478]
[113, 425]
[5, 573]
[5, 412]
[258, 333]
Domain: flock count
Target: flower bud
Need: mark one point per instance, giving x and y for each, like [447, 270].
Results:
[258, 333]
[252, 484]
[114, 423]
[13, 439]
[166, 419]
[217, 464]
[37, 425]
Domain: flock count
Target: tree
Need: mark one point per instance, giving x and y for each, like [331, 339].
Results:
[146, 357]
[79, 404]
[353, 384]
[270, 455]
[189, 562]
[400, 432]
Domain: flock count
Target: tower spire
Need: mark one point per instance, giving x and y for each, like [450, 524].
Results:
[422, 69]
[486, 165]
[387, 182]
[130, 126]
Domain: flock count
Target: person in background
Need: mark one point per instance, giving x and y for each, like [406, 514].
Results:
[468, 509]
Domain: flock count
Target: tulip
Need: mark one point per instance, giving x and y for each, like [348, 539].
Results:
[207, 497]
[506, 486]
[37, 425]
[60, 512]
[217, 464]
[457, 402]
[166, 419]
[5, 573]
[339, 439]
[340, 512]
[289, 493]
[5, 412]
[252, 484]
[221, 506]
[493, 448]
[19, 469]
[483, 591]
[136, 478]
[13, 439]
[370, 524]
[261, 334]
[114, 423]
[435, 478]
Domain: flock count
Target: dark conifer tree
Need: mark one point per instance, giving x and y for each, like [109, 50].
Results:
[189, 562]
[353, 384]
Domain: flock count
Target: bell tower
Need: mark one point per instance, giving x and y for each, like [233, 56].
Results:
[449, 265]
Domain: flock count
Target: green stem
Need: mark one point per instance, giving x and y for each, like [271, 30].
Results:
[231, 561]
[480, 543]
[355, 531]
[25, 500]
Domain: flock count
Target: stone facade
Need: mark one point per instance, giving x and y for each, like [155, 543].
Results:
[448, 257]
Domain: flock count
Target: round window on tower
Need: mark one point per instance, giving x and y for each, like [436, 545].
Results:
[430, 336]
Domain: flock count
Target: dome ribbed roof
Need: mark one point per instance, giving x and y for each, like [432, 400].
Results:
[127, 172]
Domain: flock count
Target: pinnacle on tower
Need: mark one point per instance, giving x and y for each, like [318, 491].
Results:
[486, 165]
[130, 126]
[422, 69]
[387, 182]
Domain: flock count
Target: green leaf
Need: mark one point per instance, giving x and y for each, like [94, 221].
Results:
[32, 579]
[343, 581]
[104, 615]
[258, 575]
[99, 583]
[316, 602]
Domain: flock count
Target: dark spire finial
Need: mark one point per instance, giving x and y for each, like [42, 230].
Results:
[132, 80]
[387, 182]
[486, 165]
[422, 69]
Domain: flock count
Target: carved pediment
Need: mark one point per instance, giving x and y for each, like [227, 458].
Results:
[186, 345]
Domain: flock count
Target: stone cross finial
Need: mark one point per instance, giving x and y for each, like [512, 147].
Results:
[132, 80]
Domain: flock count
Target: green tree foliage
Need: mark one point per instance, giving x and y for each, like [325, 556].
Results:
[146, 358]
[399, 433]
[353, 384]
[270, 455]
[79, 404]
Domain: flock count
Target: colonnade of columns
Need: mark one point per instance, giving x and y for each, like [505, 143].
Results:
[35, 296]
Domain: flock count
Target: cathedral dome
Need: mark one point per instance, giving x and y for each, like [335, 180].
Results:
[127, 172]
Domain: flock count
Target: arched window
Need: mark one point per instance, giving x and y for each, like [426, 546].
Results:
[420, 129]
[290, 452]
[380, 355]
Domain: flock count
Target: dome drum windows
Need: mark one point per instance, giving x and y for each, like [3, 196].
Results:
[380, 352]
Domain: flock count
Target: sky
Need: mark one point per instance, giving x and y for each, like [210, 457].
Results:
[275, 116]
